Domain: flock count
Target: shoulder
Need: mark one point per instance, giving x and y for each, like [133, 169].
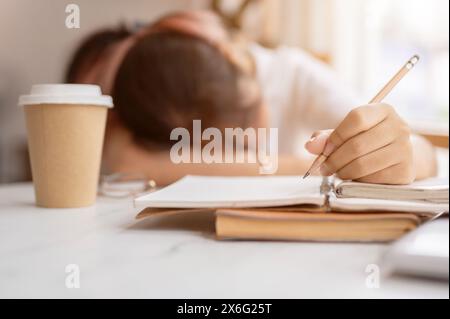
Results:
[286, 59]
[294, 69]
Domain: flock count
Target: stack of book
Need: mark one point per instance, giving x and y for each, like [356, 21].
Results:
[289, 208]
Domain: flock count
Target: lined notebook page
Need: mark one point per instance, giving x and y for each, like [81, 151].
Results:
[430, 190]
[361, 205]
[437, 183]
[235, 192]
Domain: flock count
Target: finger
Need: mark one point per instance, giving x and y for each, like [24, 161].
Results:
[364, 143]
[317, 142]
[357, 121]
[399, 174]
[317, 133]
[376, 161]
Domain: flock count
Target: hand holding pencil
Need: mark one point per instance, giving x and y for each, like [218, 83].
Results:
[372, 144]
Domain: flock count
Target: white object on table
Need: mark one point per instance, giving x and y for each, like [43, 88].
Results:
[423, 252]
[117, 256]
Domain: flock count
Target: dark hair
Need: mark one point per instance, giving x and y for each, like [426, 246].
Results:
[91, 49]
[169, 79]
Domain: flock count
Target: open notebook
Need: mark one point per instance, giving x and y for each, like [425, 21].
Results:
[291, 191]
[289, 208]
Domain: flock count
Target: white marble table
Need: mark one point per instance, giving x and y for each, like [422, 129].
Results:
[119, 257]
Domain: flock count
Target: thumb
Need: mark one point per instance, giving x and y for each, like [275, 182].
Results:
[317, 142]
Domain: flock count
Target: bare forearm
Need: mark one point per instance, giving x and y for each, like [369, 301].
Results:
[425, 160]
[159, 167]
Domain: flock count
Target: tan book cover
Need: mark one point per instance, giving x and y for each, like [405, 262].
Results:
[329, 227]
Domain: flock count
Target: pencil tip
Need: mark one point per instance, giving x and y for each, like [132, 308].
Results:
[306, 175]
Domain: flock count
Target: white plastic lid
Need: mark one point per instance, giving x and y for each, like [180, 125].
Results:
[66, 94]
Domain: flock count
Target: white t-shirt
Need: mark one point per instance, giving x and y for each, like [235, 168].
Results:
[302, 94]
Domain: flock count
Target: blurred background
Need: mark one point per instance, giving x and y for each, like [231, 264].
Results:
[365, 41]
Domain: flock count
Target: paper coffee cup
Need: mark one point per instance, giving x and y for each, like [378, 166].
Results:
[66, 127]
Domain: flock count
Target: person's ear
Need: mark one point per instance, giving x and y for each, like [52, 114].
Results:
[238, 53]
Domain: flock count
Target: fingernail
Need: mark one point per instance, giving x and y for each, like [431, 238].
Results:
[324, 170]
[329, 148]
[318, 137]
[312, 139]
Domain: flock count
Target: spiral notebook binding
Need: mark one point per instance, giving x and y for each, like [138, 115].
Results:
[327, 189]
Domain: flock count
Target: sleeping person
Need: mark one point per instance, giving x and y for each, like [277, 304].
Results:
[187, 66]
